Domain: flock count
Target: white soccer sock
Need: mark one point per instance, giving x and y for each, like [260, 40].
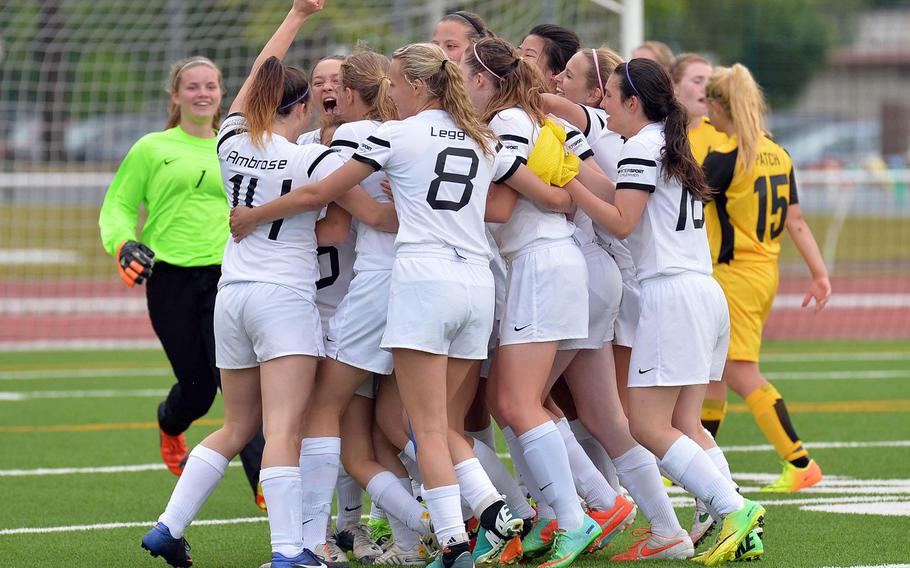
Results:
[591, 485]
[476, 488]
[283, 490]
[203, 471]
[350, 501]
[546, 455]
[394, 496]
[320, 460]
[720, 462]
[544, 510]
[597, 453]
[637, 470]
[503, 481]
[688, 462]
[487, 436]
[376, 512]
[444, 504]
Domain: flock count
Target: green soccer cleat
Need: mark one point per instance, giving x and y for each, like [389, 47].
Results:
[736, 527]
[540, 538]
[567, 545]
[751, 548]
[380, 531]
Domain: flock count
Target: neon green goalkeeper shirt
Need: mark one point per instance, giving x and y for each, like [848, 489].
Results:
[178, 179]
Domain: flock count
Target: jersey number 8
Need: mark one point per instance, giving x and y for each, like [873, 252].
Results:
[442, 175]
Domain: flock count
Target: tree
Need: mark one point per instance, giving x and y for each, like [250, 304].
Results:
[783, 43]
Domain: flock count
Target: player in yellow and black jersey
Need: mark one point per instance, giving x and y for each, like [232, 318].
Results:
[755, 199]
[690, 73]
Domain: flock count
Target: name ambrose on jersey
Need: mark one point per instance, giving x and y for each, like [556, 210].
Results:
[235, 158]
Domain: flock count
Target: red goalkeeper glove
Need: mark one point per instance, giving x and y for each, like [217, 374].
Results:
[134, 262]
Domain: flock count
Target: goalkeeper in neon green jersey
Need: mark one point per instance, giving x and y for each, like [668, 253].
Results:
[176, 176]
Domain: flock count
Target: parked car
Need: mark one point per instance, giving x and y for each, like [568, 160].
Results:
[816, 142]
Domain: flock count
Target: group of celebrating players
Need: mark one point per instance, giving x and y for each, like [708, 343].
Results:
[547, 235]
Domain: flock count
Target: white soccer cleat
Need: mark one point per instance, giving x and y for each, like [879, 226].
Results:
[702, 524]
[394, 555]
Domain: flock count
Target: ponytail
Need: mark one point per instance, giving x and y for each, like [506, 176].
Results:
[275, 91]
[651, 83]
[444, 82]
[515, 82]
[742, 100]
[367, 73]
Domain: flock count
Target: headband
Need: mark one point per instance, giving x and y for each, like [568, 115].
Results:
[471, 21]
[299, 99]
[484, 65]
[629, 77]
[196, 61]
[600, 80]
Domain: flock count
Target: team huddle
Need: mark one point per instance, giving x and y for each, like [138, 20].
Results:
[575, 246]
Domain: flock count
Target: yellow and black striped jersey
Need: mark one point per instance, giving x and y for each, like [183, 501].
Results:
[746, 219]
[704, 139]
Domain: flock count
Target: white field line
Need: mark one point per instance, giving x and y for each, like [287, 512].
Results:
[6, 396]
[134, 524]
[836, 375]
[874, 566]
[39, 256]
[848, 356]
[89, 470]
[104, 373]
[78, 344]
[71, 305]
[846, 301]
[128, 305]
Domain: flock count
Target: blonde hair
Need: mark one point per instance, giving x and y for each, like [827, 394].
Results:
[442, 78]
[367, 73]
[742, 100]
[662, 52]
[173, 85]
[515, 82]
[607, 60]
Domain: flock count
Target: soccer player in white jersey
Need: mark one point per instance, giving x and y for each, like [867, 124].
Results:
[582, 82]
[441, 298]
[546, 299]
[267, 330]
[683, 331]
[581, 87]
[353, 350]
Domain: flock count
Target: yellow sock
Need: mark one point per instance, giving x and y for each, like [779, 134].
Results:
[713, 413]
[772, 418]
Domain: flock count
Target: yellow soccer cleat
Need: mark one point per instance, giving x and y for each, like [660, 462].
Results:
[794, 478]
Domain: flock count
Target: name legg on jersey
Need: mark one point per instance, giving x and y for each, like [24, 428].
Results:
[449, 134]
[235, 158]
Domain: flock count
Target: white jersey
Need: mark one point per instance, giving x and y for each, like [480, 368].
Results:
[282, 252]
[311, 137]
[440, 178]
[670, 237]
[336, 270]
[578, 145]
[529, 222]
[607, 146]
[375, 249]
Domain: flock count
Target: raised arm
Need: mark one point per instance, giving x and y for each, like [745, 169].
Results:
[278, 44]
[590, 174]
[820, 289]
[565, 109]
